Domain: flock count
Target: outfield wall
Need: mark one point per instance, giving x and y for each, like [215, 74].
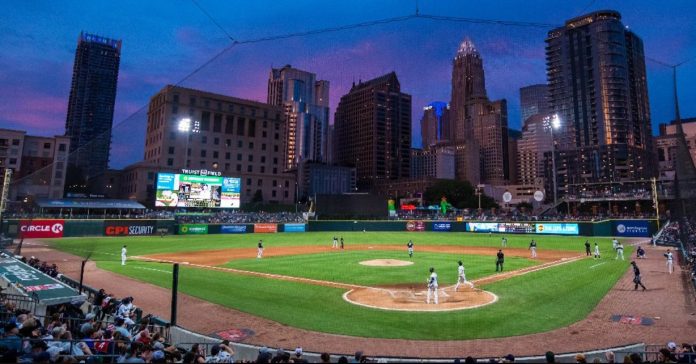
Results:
[58, 228]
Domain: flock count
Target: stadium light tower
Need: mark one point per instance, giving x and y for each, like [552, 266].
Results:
[185, 126]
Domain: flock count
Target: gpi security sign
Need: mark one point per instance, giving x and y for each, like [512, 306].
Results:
[41, 228]
[120, 228]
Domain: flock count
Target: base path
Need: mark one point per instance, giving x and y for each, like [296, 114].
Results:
[669, 297]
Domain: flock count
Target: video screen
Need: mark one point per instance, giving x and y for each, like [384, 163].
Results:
[186, 190]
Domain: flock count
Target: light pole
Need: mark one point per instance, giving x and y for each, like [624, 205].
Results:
[479, 193]
[554, 123]
[185, 126]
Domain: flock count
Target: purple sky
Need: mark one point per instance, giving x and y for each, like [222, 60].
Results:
[163, 41]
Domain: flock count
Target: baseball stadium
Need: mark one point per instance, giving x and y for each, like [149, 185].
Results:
[229, 207]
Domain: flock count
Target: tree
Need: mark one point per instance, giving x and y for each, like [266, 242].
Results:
[459, 193]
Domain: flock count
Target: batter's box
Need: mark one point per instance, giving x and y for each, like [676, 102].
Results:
[234, 335]
[633, 320]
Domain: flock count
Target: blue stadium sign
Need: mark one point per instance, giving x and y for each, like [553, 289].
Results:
[634, 228]
[295, 228]
[442, 226]
[233, 229]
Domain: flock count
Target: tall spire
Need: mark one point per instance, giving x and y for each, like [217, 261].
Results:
[466, 48]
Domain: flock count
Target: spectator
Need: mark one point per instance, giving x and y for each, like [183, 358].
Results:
[611, 357]
[220, 353]
[325, 358]
[580, 358]
[121, 329]
[550, 357]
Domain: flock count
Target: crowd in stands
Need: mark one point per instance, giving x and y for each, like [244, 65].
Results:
[239, 217]
[51, 270]
[516, 215]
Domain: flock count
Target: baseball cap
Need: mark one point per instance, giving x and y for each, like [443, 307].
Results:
[298, 351]
[671, 345]
[158, 355]
[510, 357]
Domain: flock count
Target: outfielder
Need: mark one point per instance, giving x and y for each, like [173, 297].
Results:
[461, 277]
[123, 255]
[619, 251]
[614, 244]
[503, 242]
[670, 267]
[532, 247]
[410, 248]
[341, 242]
[335, 243]
[596, 251]
[259, 250]
[432, 286]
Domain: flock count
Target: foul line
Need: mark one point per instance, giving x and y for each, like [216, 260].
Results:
[597, 265]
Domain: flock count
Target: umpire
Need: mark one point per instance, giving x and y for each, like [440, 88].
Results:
[499, 260]
[636, 277]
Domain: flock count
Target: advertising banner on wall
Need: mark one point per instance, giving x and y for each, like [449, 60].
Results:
[635, 228]
[516, 227]
[294, 228]
[415, 226]
[233, 229]
[442, 226]
[558, 229]
[129, 228]
[41, 228]
[187, 229]
[482, 227]
[265, 228]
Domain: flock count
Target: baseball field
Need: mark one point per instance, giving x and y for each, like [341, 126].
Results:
[372, 288]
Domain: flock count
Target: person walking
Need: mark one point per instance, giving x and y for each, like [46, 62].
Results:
[670, 265]
[432, 286]
[461, 276]
[124, 251]
[596, 251]
[500, 259]
[619, 252]
[637, 277]
[587, 248]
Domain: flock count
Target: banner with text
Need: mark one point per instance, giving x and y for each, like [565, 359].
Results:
[294, 228]
[129, 228]
[41, 229]
[187, 229]
[265, 228]
[482, 227]
[415, 226]
[634, 228]
[558, 229]
[442, 226]
[233, 229]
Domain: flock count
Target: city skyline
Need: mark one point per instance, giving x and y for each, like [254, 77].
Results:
[156, 53]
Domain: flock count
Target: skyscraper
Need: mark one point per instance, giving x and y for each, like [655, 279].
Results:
[435, 124]
[479, 126]
[598, 88]
[91, 104]
[306, 104]
[534, 100]
[373, 130]
[536, 136]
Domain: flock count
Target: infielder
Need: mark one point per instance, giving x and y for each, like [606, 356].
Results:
[614, 244]
[670, 267]
[619, 251]
[461, 277]
[410, 248]
[341, 242]
[335, 243]
[123, 255]
[640, 253]
[596, 251]
[259, 250]
[503, 242]
[432, 286]
[532, 247]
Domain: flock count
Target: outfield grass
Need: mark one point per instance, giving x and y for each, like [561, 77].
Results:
[536, 302]
[344, 267]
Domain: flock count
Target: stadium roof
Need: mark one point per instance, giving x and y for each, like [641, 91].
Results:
[89, 204]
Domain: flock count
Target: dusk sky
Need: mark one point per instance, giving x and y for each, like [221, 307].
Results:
[164, 41]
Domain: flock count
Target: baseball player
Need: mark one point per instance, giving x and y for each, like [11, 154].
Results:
[614, 244]
[640, 252]
[670, 266]
[341, 242]
[619, 251]
[587, 248]
[596, 251]
[410, 248]
[461, 277]
[503, 242]
[123, 255]
[432, 286]
[636, 277]
[335, 243]
[500, 259]
[259, 250]
[532, 247]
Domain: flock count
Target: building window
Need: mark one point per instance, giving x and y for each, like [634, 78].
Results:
[275, 148]
[263, 169]
[263, 159]
[150, 175]
[204, 139]
[275, 183]
[47, 145]
[172, 135]
[227, 166]
[171, 150]
[217, 123]
[239, 156]
[276, 136]
[275, 160]
[240, 126]
[251, 145]
[275, 170]
[248, 182]
[265, 123]
[252, 128]
[15, 141]
[13, 161]
[215, 154]
[58, 174]
[192, 101]
[264, 134]
[287, 184]
[239, 167]
[263, 146]
[230, 108]
[175, 109]
[249, 168]
[203, 153]
[170, 162]
[229, 124]
[216, 141]
[251, 157]
[239, 144]
[259, 182]
[273, 193]
[175, 98]
[286, 194]
[227, 155]
[61, 147]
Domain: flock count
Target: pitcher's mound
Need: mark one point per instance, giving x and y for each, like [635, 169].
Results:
[386, 263]
[410, 299]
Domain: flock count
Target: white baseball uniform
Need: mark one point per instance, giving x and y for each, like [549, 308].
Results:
[259, 250]
[670, 263]
[596, 251]
[432, 287]
[461, 277]
[614, 244]
[123, 255]
[335, 243]
[619, 252]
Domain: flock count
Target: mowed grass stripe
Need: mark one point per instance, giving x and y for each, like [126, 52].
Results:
[105, 248]
[536, 302]
[345, 267]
